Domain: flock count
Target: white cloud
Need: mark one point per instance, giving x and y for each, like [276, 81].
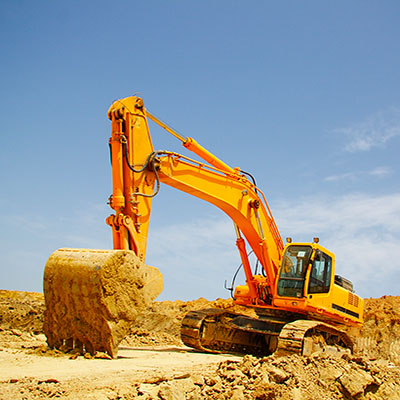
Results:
[348, 214]
[375, 131]
[381, 171]
[350, 176]
[378, 172]
[363, 231]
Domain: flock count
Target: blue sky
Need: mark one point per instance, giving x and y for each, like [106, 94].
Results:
[304, 95]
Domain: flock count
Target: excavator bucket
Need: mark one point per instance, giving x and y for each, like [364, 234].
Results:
[93, 296]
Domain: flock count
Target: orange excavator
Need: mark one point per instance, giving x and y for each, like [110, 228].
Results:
[92, 296]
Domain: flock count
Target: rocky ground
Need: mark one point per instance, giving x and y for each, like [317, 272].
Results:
[153, 363]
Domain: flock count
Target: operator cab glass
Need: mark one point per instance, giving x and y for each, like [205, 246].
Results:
[293, 272]
[320, 277]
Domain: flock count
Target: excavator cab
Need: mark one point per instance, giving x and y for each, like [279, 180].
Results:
[293, 271]
[301, 264]
[307, 284]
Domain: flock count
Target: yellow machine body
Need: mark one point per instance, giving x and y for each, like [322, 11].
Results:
[230, 190]
[319, 293]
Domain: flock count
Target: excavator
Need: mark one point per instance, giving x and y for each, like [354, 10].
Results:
[298, 303]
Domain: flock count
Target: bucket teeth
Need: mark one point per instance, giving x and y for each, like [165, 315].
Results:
[93, 296]
[76, 346]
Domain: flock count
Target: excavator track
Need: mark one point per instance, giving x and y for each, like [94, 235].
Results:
[307, 337]
[191, 329]
[218, 331]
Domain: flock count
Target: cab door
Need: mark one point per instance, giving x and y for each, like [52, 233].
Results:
[292, 276]
[321, 273]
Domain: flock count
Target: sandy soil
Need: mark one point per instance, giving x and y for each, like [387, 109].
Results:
[153, 364]
[136, 372]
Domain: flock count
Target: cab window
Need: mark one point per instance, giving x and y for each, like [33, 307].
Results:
[320, 276]
[294, 266]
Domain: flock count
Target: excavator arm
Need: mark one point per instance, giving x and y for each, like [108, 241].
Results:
[138, 172]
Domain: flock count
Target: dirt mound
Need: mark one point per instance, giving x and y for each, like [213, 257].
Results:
[21, 310]
[324, 377]
[21, 319]
[372, 373]
[380, 335]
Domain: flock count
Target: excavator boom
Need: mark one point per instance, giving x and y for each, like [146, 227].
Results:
[212, 180]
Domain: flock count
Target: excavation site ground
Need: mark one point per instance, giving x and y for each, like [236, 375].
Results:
[153, 363]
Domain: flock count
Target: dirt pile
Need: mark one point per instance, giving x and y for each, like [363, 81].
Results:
[372, 373]
[380, 334]
[21, 319]
[324, 377]
[21, 310]
[296, 377]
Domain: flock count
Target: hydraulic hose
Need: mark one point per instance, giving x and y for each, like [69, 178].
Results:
[149, 162]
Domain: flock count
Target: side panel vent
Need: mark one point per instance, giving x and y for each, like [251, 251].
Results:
[353, 299]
